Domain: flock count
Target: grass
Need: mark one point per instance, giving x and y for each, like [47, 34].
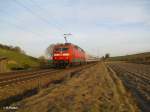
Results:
[16, 59]
[92, 90]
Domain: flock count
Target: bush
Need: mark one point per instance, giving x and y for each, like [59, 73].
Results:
[26, 66]
[13, 66]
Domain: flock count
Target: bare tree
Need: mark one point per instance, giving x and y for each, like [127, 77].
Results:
[107, 56]
[49, 50]
[17, 48]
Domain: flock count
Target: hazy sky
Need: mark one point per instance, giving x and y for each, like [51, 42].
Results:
[118, 27]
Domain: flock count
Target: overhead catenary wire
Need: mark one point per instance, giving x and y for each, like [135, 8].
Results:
[21, 28]
[39, 16]
[41, 8]
[18, 26]
[56, 24]
[35, 14]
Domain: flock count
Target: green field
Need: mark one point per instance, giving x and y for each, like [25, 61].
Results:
[17, 60]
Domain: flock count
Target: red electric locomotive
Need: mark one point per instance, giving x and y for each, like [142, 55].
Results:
[68, 54]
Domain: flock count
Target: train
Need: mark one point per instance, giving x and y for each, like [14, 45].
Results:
[68, 54]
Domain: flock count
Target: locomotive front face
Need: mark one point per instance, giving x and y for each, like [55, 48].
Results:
[61, 56]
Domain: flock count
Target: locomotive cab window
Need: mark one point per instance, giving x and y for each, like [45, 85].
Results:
[65, 49]
[61, 49]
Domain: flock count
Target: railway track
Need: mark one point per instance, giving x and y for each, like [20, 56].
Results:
[18, 73]
[7, 74]
[61, 75]
[138, 83]
[24, 76]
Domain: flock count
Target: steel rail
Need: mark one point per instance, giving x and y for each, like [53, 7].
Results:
[34, 75]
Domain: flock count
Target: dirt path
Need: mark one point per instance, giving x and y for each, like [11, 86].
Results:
[91, 90]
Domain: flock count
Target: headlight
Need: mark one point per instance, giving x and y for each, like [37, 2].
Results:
[66, 54]
[56, 54]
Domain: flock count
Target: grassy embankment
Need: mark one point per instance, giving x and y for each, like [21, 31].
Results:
[17, 60]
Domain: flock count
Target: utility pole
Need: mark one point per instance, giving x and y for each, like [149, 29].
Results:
[65, 36]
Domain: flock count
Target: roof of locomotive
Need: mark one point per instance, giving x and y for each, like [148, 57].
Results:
[68, 44]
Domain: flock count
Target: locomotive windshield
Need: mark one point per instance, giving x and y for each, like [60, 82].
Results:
[64, 49]
[61, 49]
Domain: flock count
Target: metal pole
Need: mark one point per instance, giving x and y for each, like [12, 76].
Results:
[65, 39]
[65, 36]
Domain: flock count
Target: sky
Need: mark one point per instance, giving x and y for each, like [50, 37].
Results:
[117, 27]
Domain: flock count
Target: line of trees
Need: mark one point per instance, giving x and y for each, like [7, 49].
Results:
[12, 48]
